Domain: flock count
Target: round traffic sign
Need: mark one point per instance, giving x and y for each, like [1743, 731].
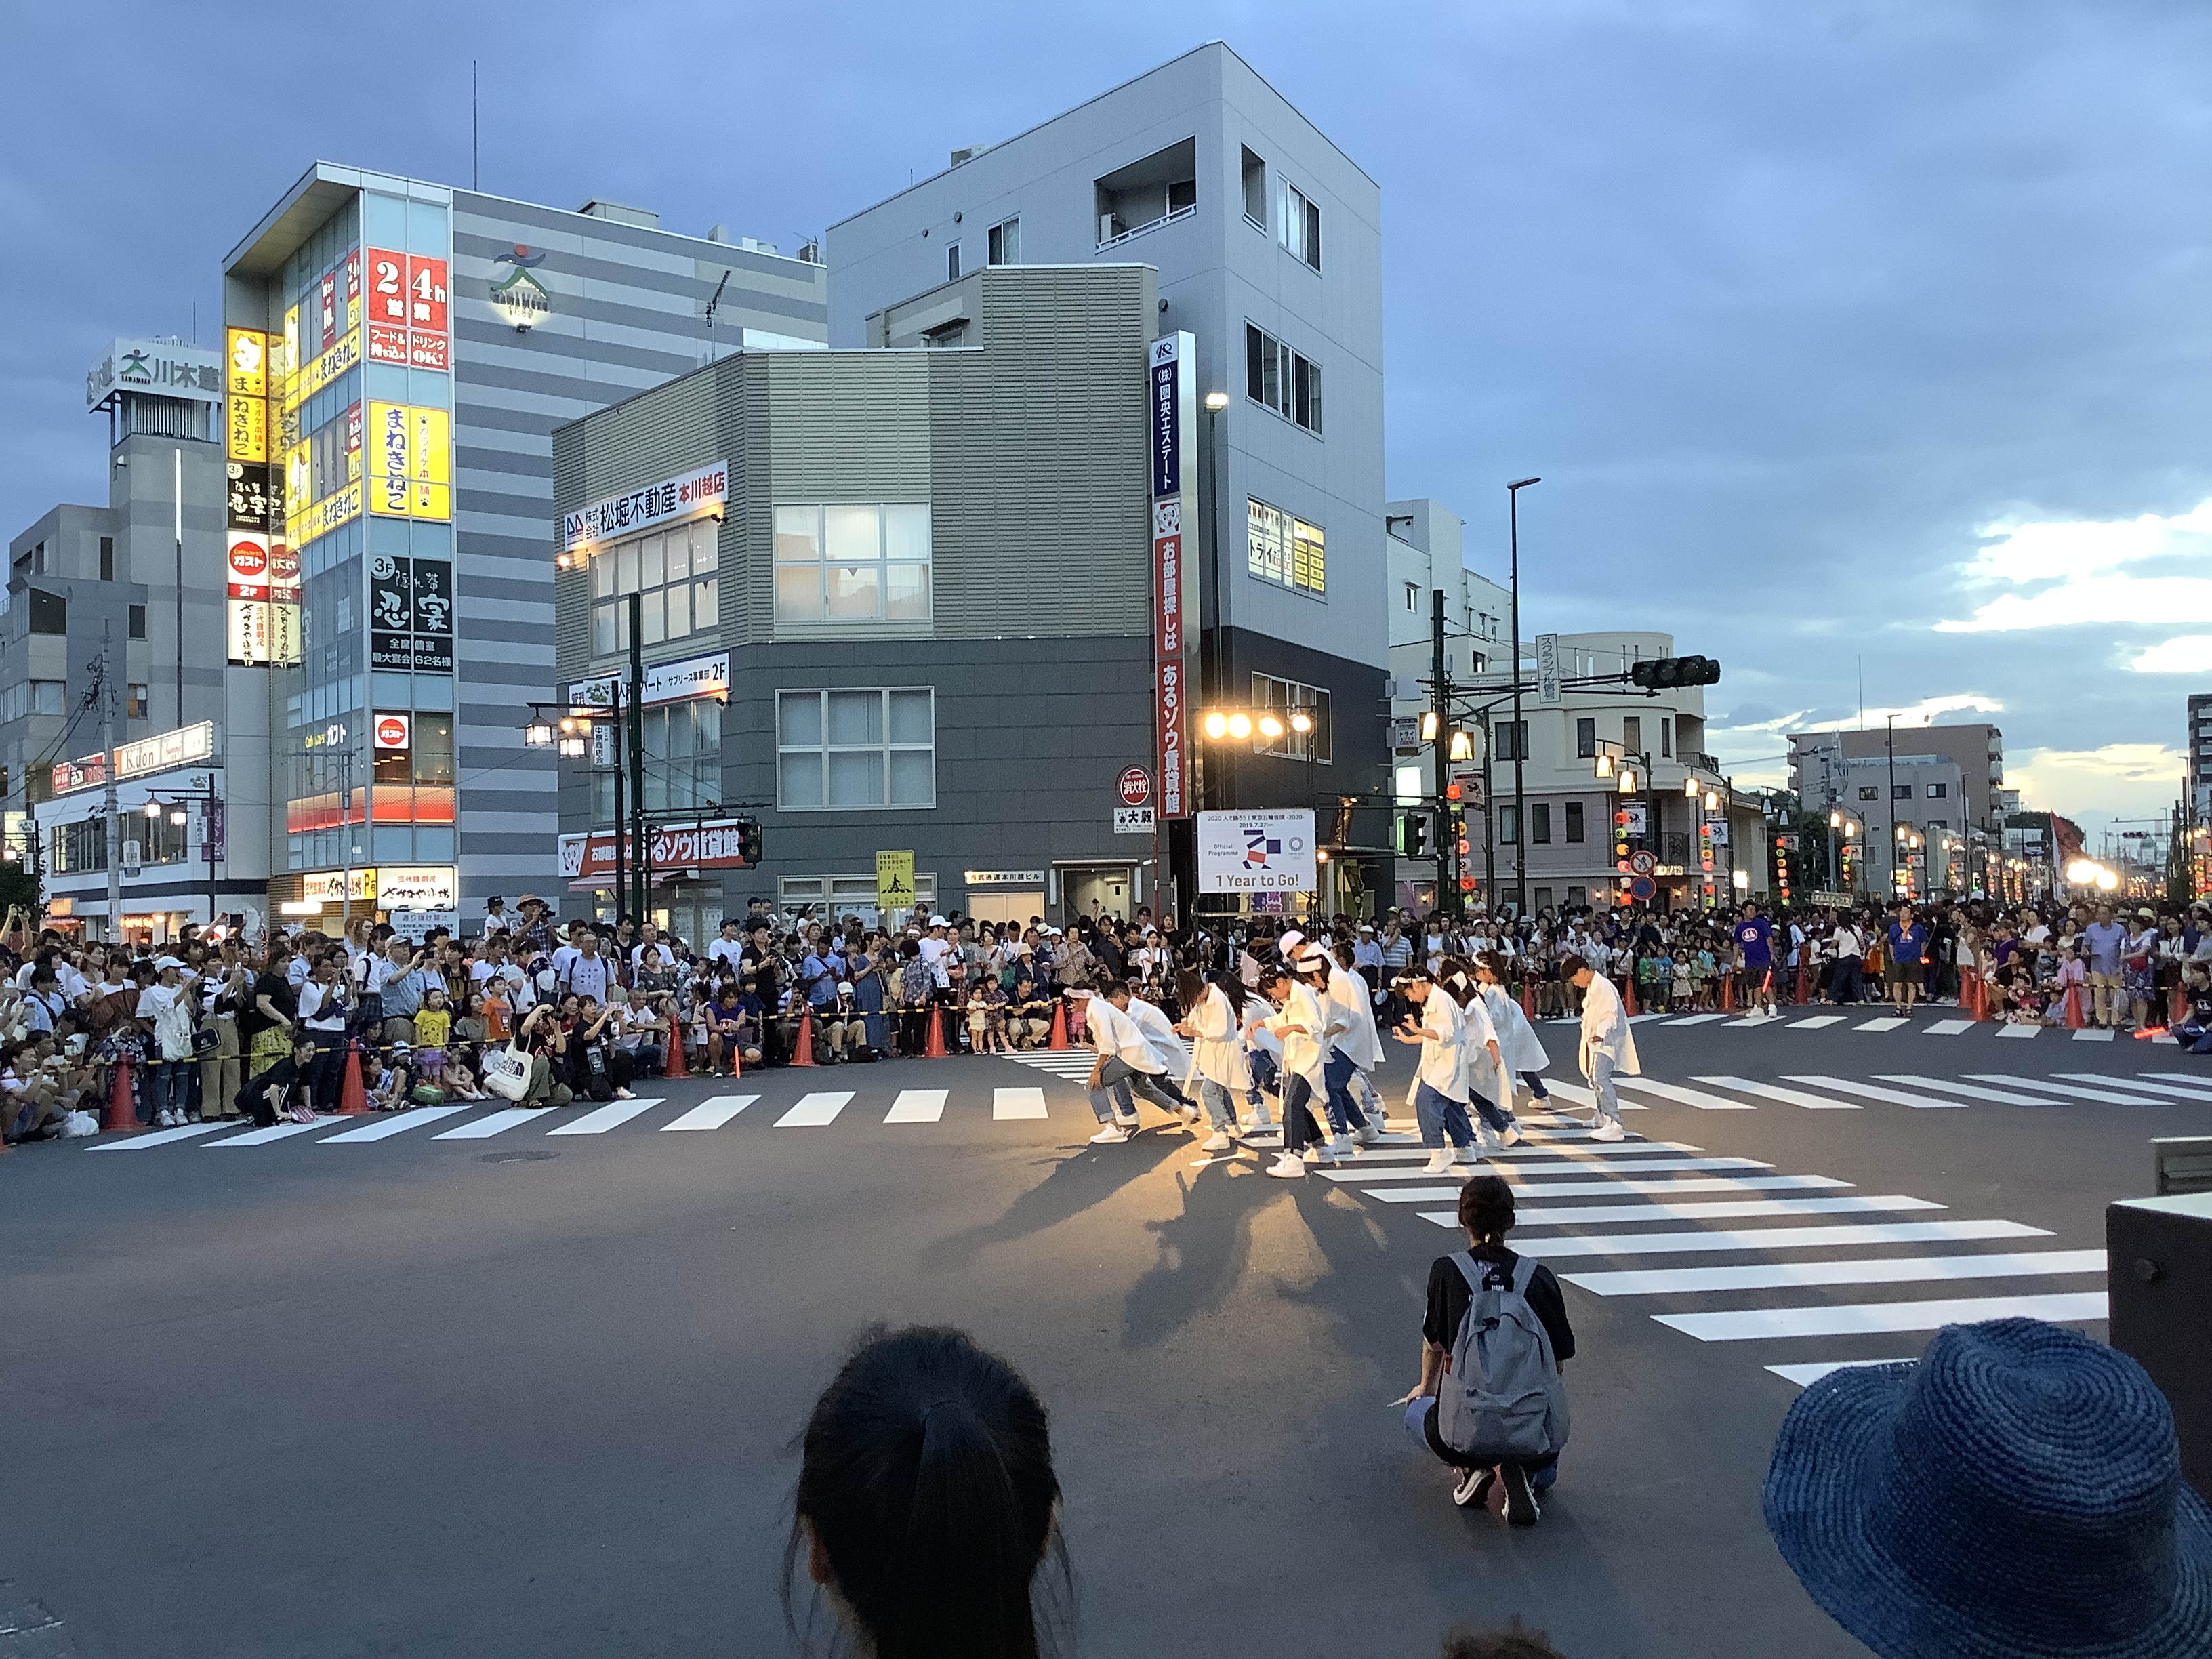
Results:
[1642, 863]
[1134, 786]
[1641, 887]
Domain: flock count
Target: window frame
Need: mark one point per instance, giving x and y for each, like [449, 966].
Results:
[824, 748]
[1293, 553]
[822, 620]
[607, 616]
[1540, 823]
[996, 239]
[1283, 380]
[1576, 825]
[1272, 691]
[1586, 738]
[1297, 229]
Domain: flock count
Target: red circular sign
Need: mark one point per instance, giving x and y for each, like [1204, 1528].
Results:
[391, 731]
[247, 559]
[283, 564]
[1135, 786]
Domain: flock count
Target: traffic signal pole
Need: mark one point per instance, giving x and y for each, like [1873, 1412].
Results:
[1440, 701]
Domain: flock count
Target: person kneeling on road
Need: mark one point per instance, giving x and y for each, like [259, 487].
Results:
[1126, 1061]
[1492, 1402]
[283, 1089]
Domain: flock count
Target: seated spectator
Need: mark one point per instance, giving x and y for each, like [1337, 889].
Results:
[841, 1024]
[926, 1504]
[2018, 1490]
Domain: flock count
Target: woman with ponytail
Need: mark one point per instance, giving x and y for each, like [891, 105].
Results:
[927, 1504]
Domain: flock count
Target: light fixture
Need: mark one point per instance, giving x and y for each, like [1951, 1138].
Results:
[1689, 786]
[1240, 725]
[180, 816]
[153, 809]
[1835, 820]
[1627, 781]
[1429, 725]
[1712, 801]
[539, 734]
[1605, 766]
[1270, 727]
[1321, 855]
[301, 907]
[1216, 401]
[1462, 745]
[1301, 721]
[1215, 725]
[572, 748]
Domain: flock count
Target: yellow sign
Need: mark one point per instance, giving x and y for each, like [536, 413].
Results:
[247, 430]
[324, 370]
[324, 516]
[299, 482]
[246, 362]
[409, 462]
[895, 880]
[287, 347]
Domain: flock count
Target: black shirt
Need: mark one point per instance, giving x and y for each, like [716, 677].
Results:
[1449, 1294]
[252, 1021]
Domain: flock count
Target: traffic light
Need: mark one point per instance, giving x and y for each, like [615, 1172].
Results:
[1413, 836]
[748, 842]
[1664, 673]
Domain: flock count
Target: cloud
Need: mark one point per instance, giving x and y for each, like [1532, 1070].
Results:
[2184, 653]
[2078, 570]
[1924, 712]
[2120, 780]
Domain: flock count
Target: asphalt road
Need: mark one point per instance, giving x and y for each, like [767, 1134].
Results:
[535, 1394]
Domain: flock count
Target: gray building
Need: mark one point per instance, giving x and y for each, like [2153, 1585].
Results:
[1267, 242]
[424, 343]
[927, 572]
[2200, 754]
[1819, 762]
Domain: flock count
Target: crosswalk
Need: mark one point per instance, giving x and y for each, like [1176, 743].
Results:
[1660, 1220]
[1821, 1092]
[1866, 1019]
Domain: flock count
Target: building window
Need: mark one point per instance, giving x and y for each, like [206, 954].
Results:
[1281, 378]
[855, 748]
[1509, 825]
[1869, 792]
[49, 612]
[1938, 791]
[1006, 242]
[1577, 897]
[1543, 894]
[74, 849]
[1585, 742]
[838, 896]
[1508, 740]
[1414, 597]
[952, 262]
[683, 759]
[853, 564]
[30, 697]
[1317, 744]
[1936, 824]
[1256, 190]
[1632, 733]
[107, 560]
[1900, 791]
[1297, 224]
[134, 702]
[673, 571]
[137, 622]
[1540, 823]
[1666, 738]
[1284, 551]
[1574, 825]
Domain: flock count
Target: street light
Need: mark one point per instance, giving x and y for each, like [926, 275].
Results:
[539, 734]
[1429, 725]
[1463, 744]
[1216, 401]
[1604, 765]
[1689, 786]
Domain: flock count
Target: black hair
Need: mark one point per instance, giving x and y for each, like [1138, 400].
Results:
[1486, 1208]
[1513, 1640]
[926, 1480]
[1115, 987]
[1190, 987]
[1233, 988]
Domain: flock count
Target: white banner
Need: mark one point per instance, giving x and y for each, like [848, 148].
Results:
[668, 502]
[1256, 853]
[1547, 668]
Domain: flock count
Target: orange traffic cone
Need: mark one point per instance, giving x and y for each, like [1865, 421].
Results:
[2177, 1007]
[1059, 1025]
[804, 1055]
[2074, 1020]
[1728, 993]
[1628, 1000]
[674, 1066]
[353, 1099]
[1804, 984]
[122, 1117]
[934, 1049]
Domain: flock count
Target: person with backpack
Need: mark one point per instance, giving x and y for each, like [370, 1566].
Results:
[1491, 1402]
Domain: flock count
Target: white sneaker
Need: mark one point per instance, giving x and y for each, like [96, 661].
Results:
[1364, 1134]
[1313, 1152]
[1219, 1141]
[1341, 1146]
[1190, 1114]
[1609, 1132]
[1467, 1155]
[1439, 1163]
[1127, 1121]
[1512, 1135]
[1289, 1166]
[1112, 1135]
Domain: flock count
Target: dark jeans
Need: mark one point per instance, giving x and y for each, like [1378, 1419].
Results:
[1344, 1114]
[1844, 982]
[326, 1076]
[171, 1090]
[1299, 1129]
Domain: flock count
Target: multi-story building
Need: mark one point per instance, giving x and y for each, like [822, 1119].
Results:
[407, 349]
[2200, 754]
[112, 662]
[1267, 241]
[1817, 760]
[917, 612]
[1911, 809]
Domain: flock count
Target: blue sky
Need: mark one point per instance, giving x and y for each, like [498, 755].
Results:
[1849, 339]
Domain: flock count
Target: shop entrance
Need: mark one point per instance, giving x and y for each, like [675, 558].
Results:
[1098, 890]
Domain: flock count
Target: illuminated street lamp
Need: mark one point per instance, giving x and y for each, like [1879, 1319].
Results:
[539, 734]
[1463, 744]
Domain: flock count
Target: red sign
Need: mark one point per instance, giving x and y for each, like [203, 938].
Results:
[428, 350]
[388, 287]
[248, 558]
[327, 310]
[1134, 786]
[426, 293]
[1170, 717]
[392, 730]
[716, 844]
[388, 343]
[283, 574]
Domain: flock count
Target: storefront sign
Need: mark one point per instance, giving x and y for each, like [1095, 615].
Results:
[245, 558]
[669, 501]
[409, 462]
[416, 887]
[1134, 821]
[90, 773]
[1547, 668]
[1173, 412]
[331, 886]
[717, 844]
[520, 298]
[665, 682]
[1001, 877]
[416, 925]
[392, 733]
[162, 368]
[326, 366]
[247, 503]
[1255, 852]
[189, 746]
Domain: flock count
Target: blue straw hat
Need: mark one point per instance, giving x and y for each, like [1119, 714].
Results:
[2015, 1495]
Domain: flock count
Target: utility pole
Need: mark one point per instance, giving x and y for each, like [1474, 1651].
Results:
[620, 755]
[178, 531]
[345, 832]
[640, 855]
[1889, 746]
[1520, 730]
[108, 805]
[1440, 701]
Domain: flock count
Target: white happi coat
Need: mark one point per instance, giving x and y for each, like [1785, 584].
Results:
[1606, 1029]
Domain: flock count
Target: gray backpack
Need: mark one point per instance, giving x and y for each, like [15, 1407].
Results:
[1503, 1399]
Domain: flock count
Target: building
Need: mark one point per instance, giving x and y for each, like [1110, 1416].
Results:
[930, 627]
[401, 353]
[1910, 810]
[2200, 755]
[123, 599]
[1817, 761]
[1267, 241]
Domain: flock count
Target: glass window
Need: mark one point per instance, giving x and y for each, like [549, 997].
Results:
[1282, 379]
[1900, 791]
[1268, 556]
[1255, 189]
[1298, 225]
[1291, 698]
[1509, 825]
[1869, 792]
[663, 570]
[1574, 822]
[1007, 242]
[1938, 791]
[853, 564]
[856, 747]
[1540, 825]
[1585, 741]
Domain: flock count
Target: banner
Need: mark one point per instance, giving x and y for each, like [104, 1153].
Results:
[1173, 403]
[1257, 852]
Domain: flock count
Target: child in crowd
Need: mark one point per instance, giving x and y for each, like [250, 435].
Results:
[433, 1027]
[979, 1020]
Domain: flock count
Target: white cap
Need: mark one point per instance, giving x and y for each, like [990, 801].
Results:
[1290, 941]
[164, 963]
[938, 921]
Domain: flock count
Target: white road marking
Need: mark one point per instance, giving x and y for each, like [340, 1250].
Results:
[1816, 1022]
[1757, 1239]
[711, 1114]
[1686, 1096]
[816, 1109]
[1997, 1097]
[1609, 1188]
[1888, 1270]
[917, 1106]
[2172, 1089]
[275, 1131]
[1581, 1097]
[139, 1143]
[2112, 1095]
[1530, 1175]
[1805, 1376]
[1576, 1215]
[2089, 1034]
[398, 1123]
[1744, 1086]
[2014, 1029]
[598, 1122]
[1887, 1023]
[1756, 1324]
[1950, 1027]
[1007, 1104]
[2195, 1079]
[484, 1127]
[1696, 1019]
[1876, 1092]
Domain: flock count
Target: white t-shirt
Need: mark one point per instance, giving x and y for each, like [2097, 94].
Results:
[588, 975]
[732, 950]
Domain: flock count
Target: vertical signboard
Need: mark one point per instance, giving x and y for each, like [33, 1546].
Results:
[1547, 669]
[1172, 412]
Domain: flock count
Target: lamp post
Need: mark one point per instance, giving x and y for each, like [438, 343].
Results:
[572, 739]
[1520, 739]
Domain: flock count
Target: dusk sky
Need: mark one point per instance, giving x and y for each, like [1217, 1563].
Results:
[1848, 338]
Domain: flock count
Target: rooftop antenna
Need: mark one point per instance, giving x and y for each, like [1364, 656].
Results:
[475, 176]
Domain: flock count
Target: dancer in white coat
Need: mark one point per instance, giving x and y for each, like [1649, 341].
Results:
[1608, 1046]
[1305, 1034]
[1219, 1068]
[1356, 1048]
[1525, 1056]
[1364, 1042]
[1440, 1086]
[1489, 1083]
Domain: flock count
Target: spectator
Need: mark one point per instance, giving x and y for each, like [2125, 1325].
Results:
[1512, 1640]
[927, 1508]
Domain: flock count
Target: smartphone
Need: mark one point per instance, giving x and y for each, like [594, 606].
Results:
[75, 1046]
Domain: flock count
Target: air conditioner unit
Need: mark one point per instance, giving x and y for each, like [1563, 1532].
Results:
[1106, 227]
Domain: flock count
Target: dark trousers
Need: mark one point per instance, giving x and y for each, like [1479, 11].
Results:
[1299, 1129]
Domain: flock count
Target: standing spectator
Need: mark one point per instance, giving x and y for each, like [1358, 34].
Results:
[2105, 938]
[171, 1006]
[1905, 961]
[1849, 950]
[400, 989]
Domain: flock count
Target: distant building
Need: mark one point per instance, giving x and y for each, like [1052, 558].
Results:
[1817, 773]
[2200, 754]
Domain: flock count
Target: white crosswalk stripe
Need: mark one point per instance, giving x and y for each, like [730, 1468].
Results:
[1014, 1103]
[1788, 1096]
[917, 1106]
[2019, 1030]
[2175, 1090]
[1539, 1176]
[1950, 1028]
[1755, 1324]
[1681, 1020]
[1874, 1091]
[1753, 1239]
[712, 1114]
[1581, 1097]
[814, 1110]
[274, 1132]
[2091, 1035]
[1879, 1270]
[397, 1124]
[1971, 1091]
[1572, 1215]
[1814, 1022]
[601, 1119]
[484, 1128]
[145, 1142]
[2197, 1080]
[1686, 1096]
[1887, 1023]
[1612, 1189]
[2113, 1094]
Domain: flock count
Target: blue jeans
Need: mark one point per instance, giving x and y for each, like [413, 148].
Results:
[1540, 1474]
[1440, 1115]
[1115, 1080]
[170, 1085]
[1535, 1082]
[1263, 1074]
[1220, 1110]
[1343, 1113]
[1298, 1126]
